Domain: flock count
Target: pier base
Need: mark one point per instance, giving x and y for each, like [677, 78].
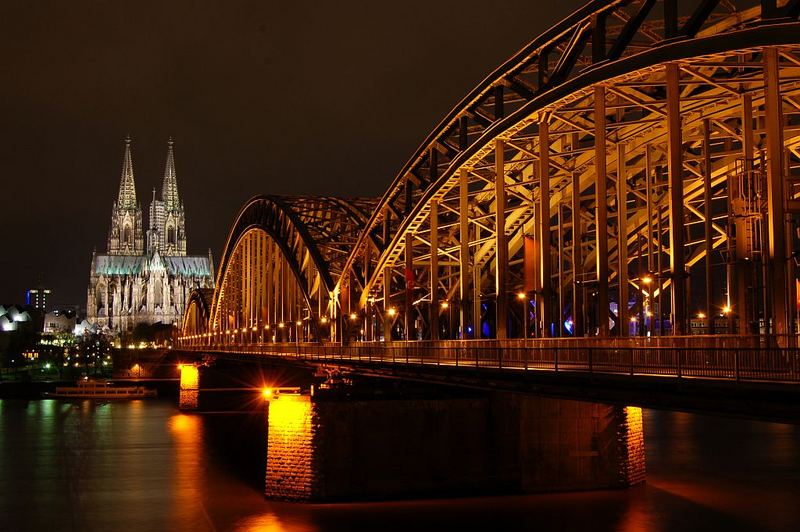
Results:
[322, 449]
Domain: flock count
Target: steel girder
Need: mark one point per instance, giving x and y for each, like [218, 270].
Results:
[625, 136]
[554, 81]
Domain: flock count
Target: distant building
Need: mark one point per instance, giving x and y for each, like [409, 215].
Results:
[38, 298]
[13, 318]
[131, 284]
[59, 321]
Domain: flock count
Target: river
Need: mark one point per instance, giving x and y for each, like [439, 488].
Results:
[143, 466]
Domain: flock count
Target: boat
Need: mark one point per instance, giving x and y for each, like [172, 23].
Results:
[92, 389]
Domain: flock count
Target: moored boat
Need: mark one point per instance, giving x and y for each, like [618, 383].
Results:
[91, 389]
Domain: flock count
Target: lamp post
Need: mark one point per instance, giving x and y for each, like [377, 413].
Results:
[446, 306]
[324, 322]
[646, 281]
[727, 312]
[353, 318]
[391, 312]
[523, 297]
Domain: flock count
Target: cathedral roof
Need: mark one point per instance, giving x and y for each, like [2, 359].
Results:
[190, 266]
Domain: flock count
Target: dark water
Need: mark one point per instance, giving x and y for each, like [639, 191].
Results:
[142, 466]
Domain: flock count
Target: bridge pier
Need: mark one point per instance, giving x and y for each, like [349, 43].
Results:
[190, 387]
[326, 448]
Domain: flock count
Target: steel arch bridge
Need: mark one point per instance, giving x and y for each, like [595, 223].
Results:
[632, 172]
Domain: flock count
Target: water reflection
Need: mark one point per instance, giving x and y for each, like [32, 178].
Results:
[187, 479]
[142, 466]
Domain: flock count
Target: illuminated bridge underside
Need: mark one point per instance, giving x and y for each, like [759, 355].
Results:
[632, 171]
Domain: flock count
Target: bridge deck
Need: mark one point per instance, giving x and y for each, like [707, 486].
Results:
[720, 358]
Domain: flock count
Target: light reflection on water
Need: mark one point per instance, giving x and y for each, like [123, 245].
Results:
[144, 466]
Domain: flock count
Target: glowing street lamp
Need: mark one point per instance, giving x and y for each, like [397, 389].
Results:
[392, 312]
[523, 298]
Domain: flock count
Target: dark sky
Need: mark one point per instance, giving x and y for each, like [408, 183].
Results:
[261, 97]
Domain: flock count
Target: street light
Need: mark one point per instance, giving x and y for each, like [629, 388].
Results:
[446, 306]
[523, 297]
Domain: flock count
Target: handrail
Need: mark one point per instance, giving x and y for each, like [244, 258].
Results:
[727, 358]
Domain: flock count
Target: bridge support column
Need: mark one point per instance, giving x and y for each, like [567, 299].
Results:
[622, 241]
[190, 387]
[501, 243]
[776, 208]
[434, 270]
[327, 448]
[601, 208]
[676, 219]
[464, 256]
[545, 297]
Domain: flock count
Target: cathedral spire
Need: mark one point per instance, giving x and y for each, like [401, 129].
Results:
[169, 190]
[127, 186]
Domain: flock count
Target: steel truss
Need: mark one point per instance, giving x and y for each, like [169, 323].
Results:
[631, 153]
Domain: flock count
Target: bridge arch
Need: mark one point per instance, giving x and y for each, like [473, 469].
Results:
[277, 271]
[663, 117]
[577, 190]
[194, 327]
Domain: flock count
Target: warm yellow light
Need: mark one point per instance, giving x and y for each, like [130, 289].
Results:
[266, 392]
[649, 314]
[701, 316]
[392, 311]
[180, 366]
[298, 323]
[266, 327]
[726, 309]
[445, 304]
[254, 327]
[353, 316]
[324, 319]
[647, 279]
[520, 295]
[235, 331]
[280, 325]
[633, 319]
[190, 377]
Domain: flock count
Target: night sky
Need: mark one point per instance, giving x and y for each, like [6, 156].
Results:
[260, 97]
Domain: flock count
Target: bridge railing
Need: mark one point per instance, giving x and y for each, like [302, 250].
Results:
[719, 357]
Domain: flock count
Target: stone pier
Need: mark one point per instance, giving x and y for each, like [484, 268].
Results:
[190, 387]
[326, 449]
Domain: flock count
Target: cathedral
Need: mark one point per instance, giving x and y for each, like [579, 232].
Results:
[145, 277]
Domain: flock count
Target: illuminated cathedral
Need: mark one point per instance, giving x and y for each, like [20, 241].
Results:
[145, 276]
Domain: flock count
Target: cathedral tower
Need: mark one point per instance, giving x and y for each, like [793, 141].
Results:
[167, 233]
[126, 236]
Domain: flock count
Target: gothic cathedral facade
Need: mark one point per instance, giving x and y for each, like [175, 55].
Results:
[145, 277]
